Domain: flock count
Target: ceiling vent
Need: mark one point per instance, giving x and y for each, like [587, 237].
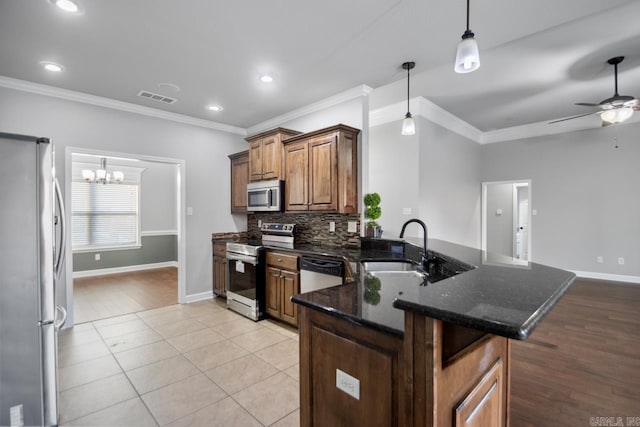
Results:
[156, 97]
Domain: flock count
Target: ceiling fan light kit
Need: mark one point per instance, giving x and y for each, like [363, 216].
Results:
[468, 55]
[615, 109]
[408, 124]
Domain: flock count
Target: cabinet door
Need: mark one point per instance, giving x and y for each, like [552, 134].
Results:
[483, 405]
[290, 286]
[296, 176]
[271, 158]
[219, 276]
[273, 292]
[323, 173]
[255, 160]
[239, 180]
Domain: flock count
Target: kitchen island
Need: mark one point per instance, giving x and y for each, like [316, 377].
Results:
[394, 348]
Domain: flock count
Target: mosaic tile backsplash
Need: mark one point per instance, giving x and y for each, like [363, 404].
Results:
[312, 228]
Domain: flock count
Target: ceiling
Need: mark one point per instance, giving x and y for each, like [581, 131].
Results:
[537, 57]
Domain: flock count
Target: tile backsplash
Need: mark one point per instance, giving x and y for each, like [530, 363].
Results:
[311, 227]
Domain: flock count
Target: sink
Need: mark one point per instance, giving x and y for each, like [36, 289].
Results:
[388, 266]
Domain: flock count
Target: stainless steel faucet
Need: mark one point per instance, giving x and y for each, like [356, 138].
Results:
[424, 245]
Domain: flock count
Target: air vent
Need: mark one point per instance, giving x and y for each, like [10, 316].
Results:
[156, 97]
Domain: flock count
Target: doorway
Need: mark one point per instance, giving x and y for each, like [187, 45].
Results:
[506, 219]
[148, 261]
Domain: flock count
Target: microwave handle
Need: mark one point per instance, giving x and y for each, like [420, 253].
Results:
[267, 194]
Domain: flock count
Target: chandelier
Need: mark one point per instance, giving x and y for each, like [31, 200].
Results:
[101, 176]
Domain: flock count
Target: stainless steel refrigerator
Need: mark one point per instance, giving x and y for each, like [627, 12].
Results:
[31, 220]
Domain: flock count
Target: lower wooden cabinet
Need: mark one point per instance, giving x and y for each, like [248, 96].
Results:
[484, 405]
[282, 284]
[220, 269]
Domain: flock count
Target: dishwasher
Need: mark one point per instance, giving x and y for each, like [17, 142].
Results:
[320, 273]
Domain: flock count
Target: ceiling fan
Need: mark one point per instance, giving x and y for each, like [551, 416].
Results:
[612, 110]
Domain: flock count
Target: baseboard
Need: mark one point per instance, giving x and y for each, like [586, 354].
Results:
[609, 277]
[199, 297]
[125, 269]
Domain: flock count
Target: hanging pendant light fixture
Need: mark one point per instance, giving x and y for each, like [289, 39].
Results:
[408, 124]
[467, 56]
[101, 176]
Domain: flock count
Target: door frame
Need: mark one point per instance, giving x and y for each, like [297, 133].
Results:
[180, 215]
[484, 214]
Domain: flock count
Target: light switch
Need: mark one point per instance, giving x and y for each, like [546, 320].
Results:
[498, 211]
[189, 210]
[97, 257]
[348, 384]
[534, 211]
[406, 211]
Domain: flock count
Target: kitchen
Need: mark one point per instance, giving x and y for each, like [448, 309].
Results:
[569, 200]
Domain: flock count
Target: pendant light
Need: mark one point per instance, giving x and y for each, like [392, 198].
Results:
[408, 124]
[468, 56]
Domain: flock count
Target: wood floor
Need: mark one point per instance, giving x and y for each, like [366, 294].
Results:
[100, 297]
[582, 361]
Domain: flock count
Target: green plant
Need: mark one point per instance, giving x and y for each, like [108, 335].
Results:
[372, 286]
[372, 208]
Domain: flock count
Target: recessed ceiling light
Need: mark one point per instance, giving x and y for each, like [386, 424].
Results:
[215, 108]
[52, 66]
[266, 78]
[67, 5]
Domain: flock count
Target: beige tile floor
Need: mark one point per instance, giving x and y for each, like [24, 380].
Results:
[183, 365]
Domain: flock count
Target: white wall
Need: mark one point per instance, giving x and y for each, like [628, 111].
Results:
[158, 197]
[585, 191]
[435, 173]
[349, 113]
[500, 226]
[204, 150]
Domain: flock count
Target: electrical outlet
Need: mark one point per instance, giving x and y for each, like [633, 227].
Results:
[600, 259]
[332, 226]
[259, 223]
[534, 211]
[348, 384]
[352, 226]
[97, 257]
[16, 415]
[621, 261]
[189, 210]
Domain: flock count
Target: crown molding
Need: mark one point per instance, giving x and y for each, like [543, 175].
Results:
[70, 95]
[422, 107]
[348, 95]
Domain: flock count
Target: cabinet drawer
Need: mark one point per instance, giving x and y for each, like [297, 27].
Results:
[286, 261]
[220, 249]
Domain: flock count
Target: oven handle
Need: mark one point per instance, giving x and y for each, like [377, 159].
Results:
[244, 258]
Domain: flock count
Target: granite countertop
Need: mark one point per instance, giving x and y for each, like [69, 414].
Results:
[501, 296]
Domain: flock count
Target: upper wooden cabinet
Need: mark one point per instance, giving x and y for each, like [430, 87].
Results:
[321, 171]
[239, 180]
[265, 154]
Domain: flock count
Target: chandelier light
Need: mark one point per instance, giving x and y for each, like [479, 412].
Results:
[408, 124]
[101, 176]
[468, 56]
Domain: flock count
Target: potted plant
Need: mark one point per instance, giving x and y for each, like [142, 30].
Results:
[372, 213]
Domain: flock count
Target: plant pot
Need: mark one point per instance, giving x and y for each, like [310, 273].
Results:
[374, 231]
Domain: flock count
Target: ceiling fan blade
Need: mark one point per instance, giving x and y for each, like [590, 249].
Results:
[574, 117]
[587, 104]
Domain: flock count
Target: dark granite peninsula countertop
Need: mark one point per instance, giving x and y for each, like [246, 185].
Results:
[500, 295]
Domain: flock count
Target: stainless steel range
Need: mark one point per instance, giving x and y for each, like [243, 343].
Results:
[246, 269]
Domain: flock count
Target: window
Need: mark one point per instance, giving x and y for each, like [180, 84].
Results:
[105, 215]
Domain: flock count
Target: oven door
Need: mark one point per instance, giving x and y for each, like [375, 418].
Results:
[244, 285]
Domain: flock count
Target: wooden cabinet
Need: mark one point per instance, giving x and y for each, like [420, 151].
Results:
[436, 374]
[266, 155]
[321, 171]
[283, 281]
[220, 269]
[239, 180]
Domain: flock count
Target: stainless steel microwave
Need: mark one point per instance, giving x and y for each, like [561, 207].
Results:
[265, 196]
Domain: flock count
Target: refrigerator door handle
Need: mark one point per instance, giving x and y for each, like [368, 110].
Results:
[63, 229]
[59, 324]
